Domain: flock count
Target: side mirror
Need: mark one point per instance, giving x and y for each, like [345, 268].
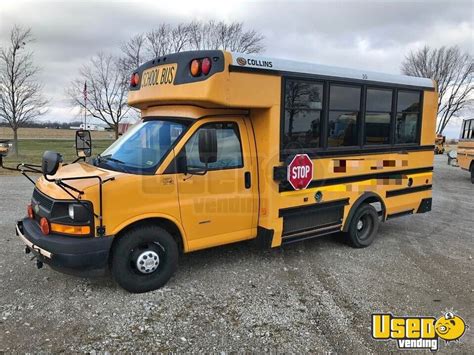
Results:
[4, 147]
[207, 145]
[83, 143]
[50, 162]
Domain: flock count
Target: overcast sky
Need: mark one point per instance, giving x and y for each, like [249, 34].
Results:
[372, 35]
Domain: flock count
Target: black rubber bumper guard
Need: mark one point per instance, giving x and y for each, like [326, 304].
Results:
[63, 252]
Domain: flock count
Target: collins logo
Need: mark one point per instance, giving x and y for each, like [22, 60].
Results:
[418, 332]
[241, 61]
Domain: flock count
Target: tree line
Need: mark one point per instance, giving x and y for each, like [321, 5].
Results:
[107, 75]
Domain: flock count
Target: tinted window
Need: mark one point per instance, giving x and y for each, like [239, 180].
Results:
[229, 151]
[463, 128]
[344, 107]
[377, 128]
[379, 100]
[344, 98]
[303, 105]
[408, 101]
[378, 110]
[342, 129]
[468, 129]
[302, 129]
[406, 127]
[408, 117]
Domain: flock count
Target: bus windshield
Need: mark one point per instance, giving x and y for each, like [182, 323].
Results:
[142, 148]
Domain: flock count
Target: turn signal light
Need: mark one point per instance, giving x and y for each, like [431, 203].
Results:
[195, 67]
[44, 226]
[135, 78]
[65, 229]
[29, 209]
[206, 66]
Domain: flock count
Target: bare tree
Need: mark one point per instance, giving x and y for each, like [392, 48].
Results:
[21, 98]
[107, 86]
[453, 71]
[134, 52]
[220, 35]
[195, 35]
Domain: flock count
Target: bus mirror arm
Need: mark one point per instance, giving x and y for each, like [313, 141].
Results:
[191, 171]
[23, 168]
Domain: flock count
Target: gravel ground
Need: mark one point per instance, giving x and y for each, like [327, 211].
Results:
[315, 296]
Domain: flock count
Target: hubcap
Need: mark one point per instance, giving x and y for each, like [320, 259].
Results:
[360, 225]
[148, 261]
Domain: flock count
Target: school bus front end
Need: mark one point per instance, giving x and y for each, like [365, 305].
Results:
[233, 147]
[465, 151]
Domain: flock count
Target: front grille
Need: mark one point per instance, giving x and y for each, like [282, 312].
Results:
[42, 200]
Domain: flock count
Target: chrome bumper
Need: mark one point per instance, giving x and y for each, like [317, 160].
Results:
[33, 247]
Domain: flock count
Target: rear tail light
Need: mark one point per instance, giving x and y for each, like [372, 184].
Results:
[134, 79]
[44, 226]
[29, 209]
[195, 67]
[206, 66]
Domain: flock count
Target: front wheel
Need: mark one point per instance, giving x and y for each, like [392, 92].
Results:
[144, 259]
[472, 173]
[363, 226]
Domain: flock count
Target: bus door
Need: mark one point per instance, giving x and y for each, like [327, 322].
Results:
[218, 204]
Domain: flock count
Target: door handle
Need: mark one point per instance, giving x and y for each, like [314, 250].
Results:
[248, 180]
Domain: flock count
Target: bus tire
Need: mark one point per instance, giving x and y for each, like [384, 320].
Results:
[144, 259]
[363, 226]
[472, 173]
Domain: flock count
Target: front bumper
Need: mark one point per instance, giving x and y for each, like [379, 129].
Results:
[62, 252]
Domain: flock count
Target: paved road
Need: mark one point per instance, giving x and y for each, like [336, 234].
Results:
[315, 296]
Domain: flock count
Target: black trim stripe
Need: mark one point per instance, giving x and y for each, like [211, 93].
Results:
[283, 212]
[408, 190]
[285, 186]
[337, 153]
[241, 69]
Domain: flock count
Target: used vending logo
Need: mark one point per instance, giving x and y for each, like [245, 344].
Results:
[417, 332]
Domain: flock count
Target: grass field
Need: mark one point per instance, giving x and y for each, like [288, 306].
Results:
[34, 141]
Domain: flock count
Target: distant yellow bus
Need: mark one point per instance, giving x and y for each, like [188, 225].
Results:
[235, 147]
[466, 147]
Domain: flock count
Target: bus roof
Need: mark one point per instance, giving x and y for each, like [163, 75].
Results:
[246, 62]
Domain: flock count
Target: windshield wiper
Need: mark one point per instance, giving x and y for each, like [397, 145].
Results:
[109, 158]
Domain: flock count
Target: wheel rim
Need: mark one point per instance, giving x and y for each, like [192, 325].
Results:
[147, 262]
[364, 227]
[146, 259]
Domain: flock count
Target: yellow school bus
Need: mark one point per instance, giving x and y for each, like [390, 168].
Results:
[234, 147]
[466, 147]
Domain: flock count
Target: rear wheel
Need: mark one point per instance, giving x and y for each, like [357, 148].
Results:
[144, 259]
[363, 226]
[472, 173]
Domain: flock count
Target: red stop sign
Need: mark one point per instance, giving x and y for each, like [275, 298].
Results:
[300, 171]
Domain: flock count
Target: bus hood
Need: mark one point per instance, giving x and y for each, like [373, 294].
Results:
[80, 170]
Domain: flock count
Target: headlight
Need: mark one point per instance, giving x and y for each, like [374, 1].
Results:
[78, 213]
[71, 211]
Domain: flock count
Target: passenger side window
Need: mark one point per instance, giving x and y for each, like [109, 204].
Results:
[378, 111]
[468, 129]
[229, 149]
[303, 105]
[344, 106]
[408, 117]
